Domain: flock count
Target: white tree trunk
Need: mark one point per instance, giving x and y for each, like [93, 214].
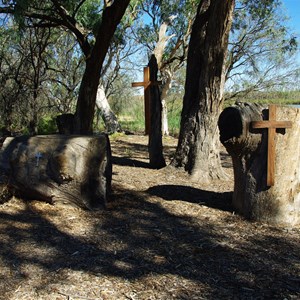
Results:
[110, 120]
[159, 50]
[165, 124]
[167, 86]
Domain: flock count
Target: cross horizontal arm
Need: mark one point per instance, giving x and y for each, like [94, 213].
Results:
[137, 84]
[271, 124]
[146, 84]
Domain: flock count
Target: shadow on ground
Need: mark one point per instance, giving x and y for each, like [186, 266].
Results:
[130, 162]
[135, 155]
[221, 201]
[137, 237]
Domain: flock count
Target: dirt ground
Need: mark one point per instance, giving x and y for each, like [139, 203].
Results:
[161, 237]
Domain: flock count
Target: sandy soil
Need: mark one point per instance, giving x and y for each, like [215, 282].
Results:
[161, 237]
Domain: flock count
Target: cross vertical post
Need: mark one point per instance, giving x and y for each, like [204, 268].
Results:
[271, 147]
[147, 96]
[147, 99]
[271, 125]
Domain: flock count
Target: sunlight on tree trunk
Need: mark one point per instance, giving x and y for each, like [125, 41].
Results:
[110, 120]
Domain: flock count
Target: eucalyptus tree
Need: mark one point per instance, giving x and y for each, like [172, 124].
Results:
[23, 76]
[93, 23]
[114, 74]
[33, 73]
[260, 43]
[261, 48]
[65, 65]
[197, 150]
[8, 66]
[208, 65]
[164, 29]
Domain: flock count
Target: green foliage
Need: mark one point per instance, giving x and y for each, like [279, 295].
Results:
[131, 116]
[47, 125]
[174, 103]
[89, 14]
[278, 97]
[259, 39]
[176, 13]
[261, 47]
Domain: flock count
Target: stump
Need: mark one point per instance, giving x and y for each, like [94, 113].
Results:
[65, 123]
[253, 197]
[74, 169]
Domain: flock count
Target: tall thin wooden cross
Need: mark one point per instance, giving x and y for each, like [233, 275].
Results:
[147, 96]
[271, 125]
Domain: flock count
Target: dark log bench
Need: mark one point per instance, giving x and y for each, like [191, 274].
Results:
[67, 168]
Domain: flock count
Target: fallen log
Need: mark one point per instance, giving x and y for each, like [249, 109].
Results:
[53, 168]
[258, 195]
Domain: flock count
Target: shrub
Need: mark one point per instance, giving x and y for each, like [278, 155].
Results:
[47, 125]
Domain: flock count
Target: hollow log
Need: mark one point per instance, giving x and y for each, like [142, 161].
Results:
[253, 197]
[74, 169]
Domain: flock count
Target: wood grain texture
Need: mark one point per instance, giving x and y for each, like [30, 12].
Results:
[271, 125]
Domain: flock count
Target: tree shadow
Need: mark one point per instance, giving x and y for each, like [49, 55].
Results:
[129, 162]
[221, 201]
[133, 154]
[136, 237]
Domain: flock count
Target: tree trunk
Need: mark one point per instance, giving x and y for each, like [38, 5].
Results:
[159, 50]
[198, 146]
[165, 123]
[65, 123]
[110, 120]
[85, 108]
[56, 168]
[248, 147]
[164, 91]
[155, 146]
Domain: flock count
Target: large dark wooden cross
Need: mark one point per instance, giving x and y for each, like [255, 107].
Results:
[147, 96]
[271, 125]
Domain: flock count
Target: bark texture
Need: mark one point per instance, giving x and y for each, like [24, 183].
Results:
[55, 168]
[278, 204]
[198, 146]
[156, 157]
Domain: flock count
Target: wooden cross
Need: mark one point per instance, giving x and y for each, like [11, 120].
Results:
[147, 96]
[271, 125]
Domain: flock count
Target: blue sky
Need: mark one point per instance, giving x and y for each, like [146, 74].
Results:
[293, 11]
